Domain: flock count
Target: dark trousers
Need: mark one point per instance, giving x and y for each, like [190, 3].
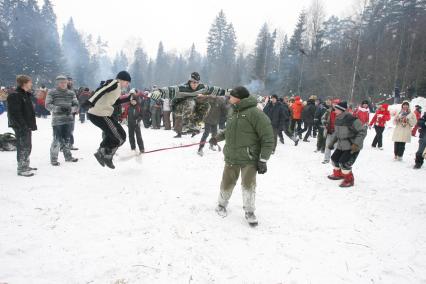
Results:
[321, 139]
[208, 129]
[61, 140]
[156, 118]
[293, 124]
[72, 132]
[419, 153]
[146, 118]
[399, 149]
[82, 115]
[114, 135]
[166, 120]
[135, 130]
[344, 159]
[378, 139]
[178, 124]
[23, 148]
[306, 127]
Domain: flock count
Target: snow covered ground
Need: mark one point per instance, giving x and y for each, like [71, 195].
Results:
[152, 219]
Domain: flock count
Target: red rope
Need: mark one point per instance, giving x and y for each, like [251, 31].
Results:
[176, 147]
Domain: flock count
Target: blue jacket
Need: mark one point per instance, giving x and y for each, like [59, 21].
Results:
[1, 107]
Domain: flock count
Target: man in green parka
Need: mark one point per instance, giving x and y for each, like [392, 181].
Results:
[249, 142]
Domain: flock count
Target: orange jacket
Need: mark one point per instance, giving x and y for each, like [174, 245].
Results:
[297, 108]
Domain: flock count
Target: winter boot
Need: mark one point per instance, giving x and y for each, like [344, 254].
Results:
[30, 169]
[251, 219]
[200, 152]
[55, 163]
[221, 211]
[417, 166]
[72, 160]
[348, 180]
[296, 140]
[281, 141]
[179, 135]
[25, 174]
[211, 147]
[337, 175]
[100, 157]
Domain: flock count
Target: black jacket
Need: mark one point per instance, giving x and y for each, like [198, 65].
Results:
[308, 113]
[422, 126]
[276, 114]
[21, 111]
[134, 115]
[319, 113]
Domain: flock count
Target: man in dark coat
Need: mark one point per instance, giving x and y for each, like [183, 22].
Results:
[212, 119]
[321, 109]
[22, 119]
[308, 115]
[276, 113]
[421, 123]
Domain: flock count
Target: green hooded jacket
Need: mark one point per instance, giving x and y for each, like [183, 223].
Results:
[248, 135]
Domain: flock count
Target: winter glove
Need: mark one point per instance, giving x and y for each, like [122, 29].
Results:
[213, 141]
[156, 95]
[331, 146]
[261, 167]
[65, 109]
[87, 104]
[354, 148]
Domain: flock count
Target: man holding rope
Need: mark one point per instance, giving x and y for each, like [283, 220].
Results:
[249, 141]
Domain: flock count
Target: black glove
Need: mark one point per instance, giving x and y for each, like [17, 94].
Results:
[331, 146]
[213, 141]
[65, 109]
[87, 104]
[261, 167]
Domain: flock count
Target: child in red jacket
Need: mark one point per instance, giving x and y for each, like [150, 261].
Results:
[379, 121]
[363, 113]
[418, 114]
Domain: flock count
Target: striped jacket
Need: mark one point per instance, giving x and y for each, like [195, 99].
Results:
[179, 93]
[57, 101]
[105, 98]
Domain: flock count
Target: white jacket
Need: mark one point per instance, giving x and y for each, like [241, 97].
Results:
[402, 131]
[105, 98]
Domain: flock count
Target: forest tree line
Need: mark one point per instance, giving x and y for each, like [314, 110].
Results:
[380, 48]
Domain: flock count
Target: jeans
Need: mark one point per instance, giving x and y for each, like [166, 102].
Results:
[419, 153]
[23, 148]
[61, 140]
[208, 129]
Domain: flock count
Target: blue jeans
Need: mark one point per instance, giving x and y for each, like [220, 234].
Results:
[61, 140]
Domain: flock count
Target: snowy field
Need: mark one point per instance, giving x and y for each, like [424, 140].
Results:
[152, 219]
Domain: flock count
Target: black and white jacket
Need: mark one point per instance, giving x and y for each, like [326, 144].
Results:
[105, 98]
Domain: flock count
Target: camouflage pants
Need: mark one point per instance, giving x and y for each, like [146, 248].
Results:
[23, 148]
[61, 140]
[230, 177]
[188, 114]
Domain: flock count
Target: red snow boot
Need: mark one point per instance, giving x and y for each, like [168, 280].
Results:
[337, 175]
[348, 180]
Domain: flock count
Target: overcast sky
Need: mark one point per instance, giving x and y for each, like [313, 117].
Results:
[182, 22]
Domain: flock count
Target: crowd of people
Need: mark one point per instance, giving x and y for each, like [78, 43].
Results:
[251, 126]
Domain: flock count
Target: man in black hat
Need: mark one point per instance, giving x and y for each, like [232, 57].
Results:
[101, 105]
[182, 104]
[249, 142]
[349, 134]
